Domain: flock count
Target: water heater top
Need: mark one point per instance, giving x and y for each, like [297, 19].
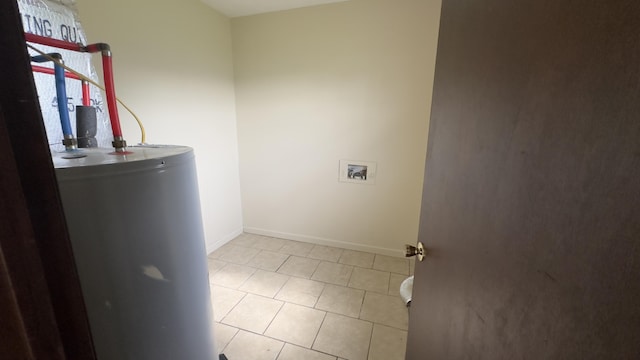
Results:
[98, 160]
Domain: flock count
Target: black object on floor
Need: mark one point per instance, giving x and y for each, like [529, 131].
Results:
[223, 357]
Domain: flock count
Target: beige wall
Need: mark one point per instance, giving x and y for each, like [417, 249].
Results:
[173, 65]
[312, 86]
[351, 80]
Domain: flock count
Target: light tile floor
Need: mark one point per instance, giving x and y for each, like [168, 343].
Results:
[276, 299]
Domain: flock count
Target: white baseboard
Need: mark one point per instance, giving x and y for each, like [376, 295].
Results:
[326, 242]
[225, 239]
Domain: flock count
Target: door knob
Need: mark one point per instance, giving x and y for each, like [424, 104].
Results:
[418, 251]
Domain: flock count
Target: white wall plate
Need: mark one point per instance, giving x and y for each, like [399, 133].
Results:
[358, 172]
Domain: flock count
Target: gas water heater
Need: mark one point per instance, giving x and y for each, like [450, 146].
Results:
[136, 230]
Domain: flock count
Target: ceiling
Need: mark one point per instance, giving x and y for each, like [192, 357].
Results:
[235, 8]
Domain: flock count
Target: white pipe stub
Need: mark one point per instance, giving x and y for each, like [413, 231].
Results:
[406, 288]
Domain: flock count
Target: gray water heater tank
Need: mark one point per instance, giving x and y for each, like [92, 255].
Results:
[138, 241]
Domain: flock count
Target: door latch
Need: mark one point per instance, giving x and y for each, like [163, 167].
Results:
[418, 251]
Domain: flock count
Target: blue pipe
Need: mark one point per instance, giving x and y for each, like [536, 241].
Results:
[61, 94]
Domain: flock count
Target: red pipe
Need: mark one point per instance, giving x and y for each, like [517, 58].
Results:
[86, 95]
[109, 86]
[53, 42]
[50, 71]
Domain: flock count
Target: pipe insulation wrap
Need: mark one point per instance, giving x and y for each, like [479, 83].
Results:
[59, 20]
[86, 126]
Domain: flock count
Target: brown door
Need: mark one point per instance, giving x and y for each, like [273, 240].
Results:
[531, 205]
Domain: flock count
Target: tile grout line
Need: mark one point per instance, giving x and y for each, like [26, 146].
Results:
[316, 302]
[274, 317]
[337, 262]
[282, 341]
[285, 260]
[232, 308]
[362, 305]
[318, 333]
[230, 340]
